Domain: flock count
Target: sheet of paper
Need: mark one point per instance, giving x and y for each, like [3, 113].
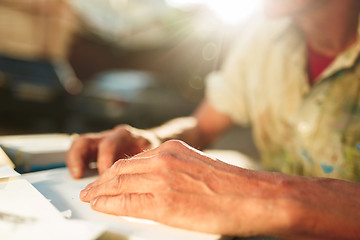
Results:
[4, 159]
[26, 214]
[13, 227]
[7, 171]
[36, 152]
[20, 198]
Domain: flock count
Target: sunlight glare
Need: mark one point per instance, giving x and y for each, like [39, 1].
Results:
[229, 11]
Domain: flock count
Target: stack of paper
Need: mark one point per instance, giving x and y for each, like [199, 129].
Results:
[36, 152]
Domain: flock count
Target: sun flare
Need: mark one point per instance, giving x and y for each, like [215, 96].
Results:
[229, 11]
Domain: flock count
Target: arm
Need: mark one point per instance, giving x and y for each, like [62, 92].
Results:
[180, 186]
[199, 130]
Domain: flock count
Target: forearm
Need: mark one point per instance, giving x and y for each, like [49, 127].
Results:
[325, 209]
[199, 130]
[312, 208]
[287, 206]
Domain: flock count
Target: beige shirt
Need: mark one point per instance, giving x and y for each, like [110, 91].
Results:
[308, 131]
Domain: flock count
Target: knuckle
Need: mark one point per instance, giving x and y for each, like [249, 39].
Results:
[81, 140]
[173, 144]
[123, 129]
[144, 142]
[121, 126]
[107, 143]
[116, 167]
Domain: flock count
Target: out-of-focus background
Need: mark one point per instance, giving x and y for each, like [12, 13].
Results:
[75, 66]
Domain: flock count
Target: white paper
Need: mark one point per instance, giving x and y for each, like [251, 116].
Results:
[17, 228]
[4, 159]
[37, 143]
[6, 171]
[26, 214]
[18, 197]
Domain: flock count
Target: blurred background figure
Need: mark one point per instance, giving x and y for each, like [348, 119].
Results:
[35, 77]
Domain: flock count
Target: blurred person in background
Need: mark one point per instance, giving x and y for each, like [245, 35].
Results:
[294, 76]
[36, 29]
[35, 76]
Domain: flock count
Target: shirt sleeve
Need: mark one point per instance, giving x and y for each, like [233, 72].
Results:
[226, 90]
[237, 89]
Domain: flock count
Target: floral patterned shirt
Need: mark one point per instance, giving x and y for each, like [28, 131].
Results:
[298, 129]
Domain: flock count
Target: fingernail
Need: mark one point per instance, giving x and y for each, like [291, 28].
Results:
[84, 192]
[75, 171]
[93, 201]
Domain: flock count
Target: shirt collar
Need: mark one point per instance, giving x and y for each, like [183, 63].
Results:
[346, 59]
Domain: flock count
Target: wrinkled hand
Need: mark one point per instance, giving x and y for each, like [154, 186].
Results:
[106, 147]
[177, 185]
[180, 186]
